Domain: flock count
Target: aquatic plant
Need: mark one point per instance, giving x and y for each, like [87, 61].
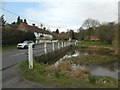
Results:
[92, 79]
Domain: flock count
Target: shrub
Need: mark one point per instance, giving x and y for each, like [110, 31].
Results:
[92, 79]
[58, 74]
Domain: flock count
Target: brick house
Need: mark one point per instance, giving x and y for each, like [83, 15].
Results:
[94, 38]
[37, 31]
[63, 35]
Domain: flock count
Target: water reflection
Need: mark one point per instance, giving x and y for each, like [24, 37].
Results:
[74, 53]
[101, 71]
[109, 69]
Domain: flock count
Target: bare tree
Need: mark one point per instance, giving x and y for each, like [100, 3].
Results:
[90, 25]
[41, 25]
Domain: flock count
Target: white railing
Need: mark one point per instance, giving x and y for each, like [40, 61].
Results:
[47, 41]
[58, 45]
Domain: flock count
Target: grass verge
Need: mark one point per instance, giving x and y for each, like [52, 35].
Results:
[8, 47]
[56, 77]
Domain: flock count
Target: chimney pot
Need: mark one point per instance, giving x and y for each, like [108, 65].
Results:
[33, 24]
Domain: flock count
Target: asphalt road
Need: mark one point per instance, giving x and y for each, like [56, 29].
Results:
[15, 56]
[10, 67]
[12, 79]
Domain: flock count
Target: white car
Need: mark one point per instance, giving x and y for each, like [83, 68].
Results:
[25, 44]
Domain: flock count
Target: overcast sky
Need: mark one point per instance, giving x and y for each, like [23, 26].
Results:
[61, 14]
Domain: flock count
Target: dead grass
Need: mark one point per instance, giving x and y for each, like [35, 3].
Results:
[64, 68]
[64, 77]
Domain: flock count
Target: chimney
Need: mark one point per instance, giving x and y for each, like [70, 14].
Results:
[33, 24]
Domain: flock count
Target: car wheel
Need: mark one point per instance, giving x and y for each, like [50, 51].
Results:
[26, 47]
[33, 46]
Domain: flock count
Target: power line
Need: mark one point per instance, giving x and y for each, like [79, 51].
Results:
[18, 15]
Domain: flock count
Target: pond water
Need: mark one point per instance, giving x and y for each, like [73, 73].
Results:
[109, 69]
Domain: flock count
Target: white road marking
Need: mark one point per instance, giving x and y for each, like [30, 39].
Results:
[13, 52]
[16, 54]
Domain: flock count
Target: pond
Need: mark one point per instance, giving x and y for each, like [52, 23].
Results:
[107, 69]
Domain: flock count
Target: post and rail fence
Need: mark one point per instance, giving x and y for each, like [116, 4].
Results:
[55, 46]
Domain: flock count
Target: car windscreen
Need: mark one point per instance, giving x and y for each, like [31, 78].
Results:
[30, 41]
[25, 42]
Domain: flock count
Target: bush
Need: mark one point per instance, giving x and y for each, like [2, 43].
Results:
[106, 32]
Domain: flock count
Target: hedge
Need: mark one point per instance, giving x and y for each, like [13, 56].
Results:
[12, 36]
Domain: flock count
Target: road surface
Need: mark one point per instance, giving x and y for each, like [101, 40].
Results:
[10, 67]
[15, 56]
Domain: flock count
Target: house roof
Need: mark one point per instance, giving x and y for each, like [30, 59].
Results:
[26, 27]
[63, 34]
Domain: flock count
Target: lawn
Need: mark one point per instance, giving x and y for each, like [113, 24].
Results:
[90, 43]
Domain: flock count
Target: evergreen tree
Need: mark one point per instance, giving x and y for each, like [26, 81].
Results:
[25, 21]
[57, 31]
[2, 21]
[21, 20]
[18, 20]
[71, 33]
[14, 24]
[44, 28]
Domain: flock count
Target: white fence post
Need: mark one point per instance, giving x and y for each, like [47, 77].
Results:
[45, 48]
[62, 44]
[75, 43]
[53, 46]
[67, 43]
[30, 56]
[58, 45]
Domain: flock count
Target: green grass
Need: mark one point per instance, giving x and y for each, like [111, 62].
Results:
[0, 48]
[8, 47]
[90, 43]
[37, 74]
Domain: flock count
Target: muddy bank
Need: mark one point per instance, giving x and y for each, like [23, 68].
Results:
[52, 57]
